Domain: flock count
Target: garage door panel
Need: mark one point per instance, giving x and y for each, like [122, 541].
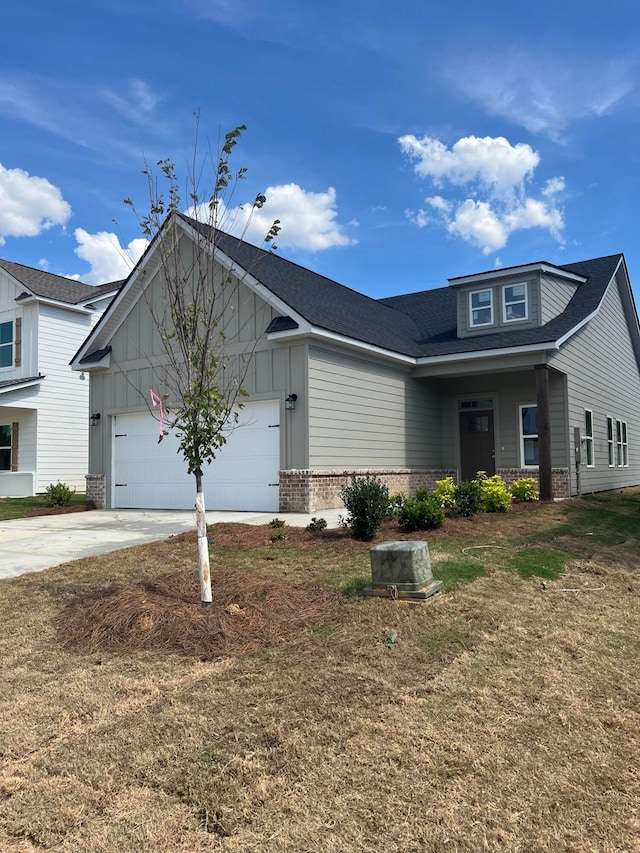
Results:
[149, 474]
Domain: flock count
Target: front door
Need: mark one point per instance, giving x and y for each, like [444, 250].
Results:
[477, 450]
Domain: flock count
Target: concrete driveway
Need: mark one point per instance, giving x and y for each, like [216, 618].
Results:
[33, 544]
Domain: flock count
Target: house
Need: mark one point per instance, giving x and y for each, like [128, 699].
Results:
[44, 408]
[531, 370]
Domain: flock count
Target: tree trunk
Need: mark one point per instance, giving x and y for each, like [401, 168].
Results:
[203, 546]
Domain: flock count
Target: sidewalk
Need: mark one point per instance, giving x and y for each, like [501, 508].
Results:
[33, 544]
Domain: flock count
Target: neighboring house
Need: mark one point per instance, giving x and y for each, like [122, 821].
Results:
[526, 371]
[44, 408]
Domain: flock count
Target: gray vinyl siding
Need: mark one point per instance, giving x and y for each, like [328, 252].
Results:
[465, 329]
[509, 391]
[275, 370]
[555, 295]
[603, 375]
[367, 413]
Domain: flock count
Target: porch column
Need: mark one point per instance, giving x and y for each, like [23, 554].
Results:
[544, 432]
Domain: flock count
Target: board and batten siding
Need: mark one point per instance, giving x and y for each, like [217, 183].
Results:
[62, 399]
[603, 375]
[508, 391]
[275, 371]
[370, 414]
[555, 295]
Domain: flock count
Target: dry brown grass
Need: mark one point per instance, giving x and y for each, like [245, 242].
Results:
[506, 717]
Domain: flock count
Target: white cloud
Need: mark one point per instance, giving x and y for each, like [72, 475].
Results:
[308, 220]
[490, 189]
[545, 93]
[492, 161]
[108, 259]
[29, 205]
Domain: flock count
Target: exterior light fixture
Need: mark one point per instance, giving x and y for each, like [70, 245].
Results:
[94, 420]
[290, 401]
[82, 376]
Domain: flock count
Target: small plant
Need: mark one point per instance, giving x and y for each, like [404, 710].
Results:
[422, 493]
[496, 497]
[367, 501]
[316, 525]
[525, 490]
[467, 498]
[389, 641]
[58, 494]
[277, 523]
[426, 514]
[278, 535]
[395, 504]
[445, 491]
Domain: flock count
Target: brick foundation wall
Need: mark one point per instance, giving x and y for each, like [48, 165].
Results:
[97, 490]
[308, 491]
[560, 487]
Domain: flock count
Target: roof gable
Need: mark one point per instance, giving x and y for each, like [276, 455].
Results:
[56, 287]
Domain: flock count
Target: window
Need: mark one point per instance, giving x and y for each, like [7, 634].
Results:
[617, 443]
[588, 437]
[611, 444]
[514, 303]
[529, 436]
[480, 308]
[6, 344]
[5, 447]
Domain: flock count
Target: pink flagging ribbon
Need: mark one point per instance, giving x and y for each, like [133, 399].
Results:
[157, 402]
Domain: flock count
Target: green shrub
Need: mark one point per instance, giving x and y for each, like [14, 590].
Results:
[367, 502]
[395, 504]
[58, 494]
[277, 523]
[422, 493]
[426, 514]
[316, 525]
[525, 490]
[278, 535]
[496, 497]
[445, 492]
[467, 498]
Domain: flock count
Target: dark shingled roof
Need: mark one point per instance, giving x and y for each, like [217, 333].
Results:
[8, 383]
[57, 287]
[417, 324]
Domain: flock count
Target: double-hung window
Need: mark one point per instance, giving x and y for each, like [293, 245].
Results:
[529, 436]
[588, 437]
[5, 447]
[617, 443]
[6, 344]
[480, 308]
[514, 303]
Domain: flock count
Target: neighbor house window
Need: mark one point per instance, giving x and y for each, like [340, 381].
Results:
[611, 442]
[514, 303]
[5, 447]
[6, 344]
[625, 445]
[529, 436]
[481, 308]
[588, 437]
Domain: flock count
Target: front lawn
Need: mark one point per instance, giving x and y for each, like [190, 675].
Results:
[26, 507]
[503, 715]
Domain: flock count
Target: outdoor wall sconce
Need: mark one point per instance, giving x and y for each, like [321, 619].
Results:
[94, 420]
[290, 401]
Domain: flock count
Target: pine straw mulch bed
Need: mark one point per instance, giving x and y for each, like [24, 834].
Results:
[249, 614]
[58, 510]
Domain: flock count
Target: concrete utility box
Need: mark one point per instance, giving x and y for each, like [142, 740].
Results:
[402, 570]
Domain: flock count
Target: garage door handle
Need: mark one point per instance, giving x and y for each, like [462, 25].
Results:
[274, 484]
[121, 484]
[271, 426]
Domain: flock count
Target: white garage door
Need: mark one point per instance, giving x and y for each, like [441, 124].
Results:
[243, 476]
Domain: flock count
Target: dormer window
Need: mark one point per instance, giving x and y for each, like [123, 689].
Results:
[6, 344]
[514, 303]
[480, 308]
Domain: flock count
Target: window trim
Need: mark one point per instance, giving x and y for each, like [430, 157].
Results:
[473, 293]
[8, 447]
[611, 441]
[618, 444]
[10, 344]
[588, 441]
[505, 319]
[528, 436]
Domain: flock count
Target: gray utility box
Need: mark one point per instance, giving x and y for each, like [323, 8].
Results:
[402, 570]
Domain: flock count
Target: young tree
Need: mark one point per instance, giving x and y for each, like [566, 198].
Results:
[203, 365]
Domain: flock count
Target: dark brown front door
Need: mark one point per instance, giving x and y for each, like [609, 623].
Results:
[477, 450]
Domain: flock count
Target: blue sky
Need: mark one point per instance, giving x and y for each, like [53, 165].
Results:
[400, 144]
